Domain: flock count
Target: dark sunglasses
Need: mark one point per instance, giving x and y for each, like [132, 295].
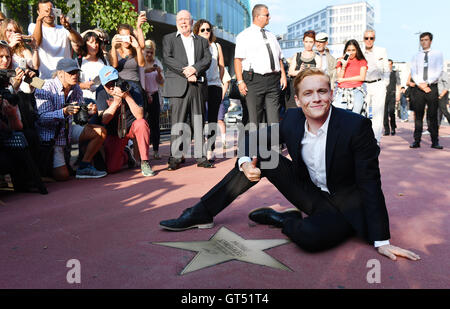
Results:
[369, 38]
[205, 29]
[73, 72]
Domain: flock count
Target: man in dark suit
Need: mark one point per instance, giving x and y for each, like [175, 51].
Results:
[186, 59]
[333, 177]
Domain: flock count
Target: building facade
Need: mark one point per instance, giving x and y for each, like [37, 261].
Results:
[340, 22]
[229, 18]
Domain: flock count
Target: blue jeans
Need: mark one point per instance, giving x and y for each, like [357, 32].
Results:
[404, 110]
[358, 101]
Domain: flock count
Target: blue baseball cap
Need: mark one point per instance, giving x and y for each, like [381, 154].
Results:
[107, 74]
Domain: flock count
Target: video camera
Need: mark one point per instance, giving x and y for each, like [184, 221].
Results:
[12, 99]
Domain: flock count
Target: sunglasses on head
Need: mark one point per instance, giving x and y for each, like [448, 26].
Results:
[205, 29]
[369, 38]
[3, 42]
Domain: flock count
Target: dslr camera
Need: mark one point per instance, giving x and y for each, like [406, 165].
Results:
[82, 117]
[123, 85]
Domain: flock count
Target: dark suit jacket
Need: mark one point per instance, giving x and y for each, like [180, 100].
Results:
[175, 59]
[353, 175]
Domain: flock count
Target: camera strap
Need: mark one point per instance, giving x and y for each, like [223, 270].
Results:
[122, 124]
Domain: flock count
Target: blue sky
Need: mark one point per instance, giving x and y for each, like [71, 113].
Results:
[397, 21]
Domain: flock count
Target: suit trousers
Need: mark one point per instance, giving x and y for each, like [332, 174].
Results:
[443, 110]
[430, 100]
[324, 228]
[376, 97]
[389, 114]
[263, 96]
[193, 104]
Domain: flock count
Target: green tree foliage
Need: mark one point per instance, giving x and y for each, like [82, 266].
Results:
[106, 14]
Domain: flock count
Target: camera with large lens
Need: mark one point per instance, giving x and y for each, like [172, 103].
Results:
[82, 117]
[123, 85]
[5, 75]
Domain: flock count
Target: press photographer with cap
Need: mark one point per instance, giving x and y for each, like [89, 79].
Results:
[57, 103]
[328, 61]
[124, 119]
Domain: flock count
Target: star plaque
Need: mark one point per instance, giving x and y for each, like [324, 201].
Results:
[226, 246]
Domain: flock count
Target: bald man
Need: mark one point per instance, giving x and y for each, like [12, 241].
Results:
[186, 59]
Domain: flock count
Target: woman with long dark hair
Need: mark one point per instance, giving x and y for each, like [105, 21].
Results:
[351, 73]
[92, 61]
[214, 77]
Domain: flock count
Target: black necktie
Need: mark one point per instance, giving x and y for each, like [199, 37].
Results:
[425, 68]
[272, 61]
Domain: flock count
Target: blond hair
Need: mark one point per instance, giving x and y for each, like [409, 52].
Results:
[306, 73]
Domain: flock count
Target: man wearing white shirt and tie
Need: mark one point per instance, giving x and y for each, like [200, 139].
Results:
[426, 68]
[376, 81]
[259, 68]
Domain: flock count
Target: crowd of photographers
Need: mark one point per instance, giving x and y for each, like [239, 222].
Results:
[76, 91]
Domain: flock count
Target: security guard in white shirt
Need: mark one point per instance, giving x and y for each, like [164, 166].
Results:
[259, 69]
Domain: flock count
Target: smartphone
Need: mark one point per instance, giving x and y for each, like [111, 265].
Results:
[22, 63]
[142, 13]
[346, 57]
[125, 38]
[57, 12]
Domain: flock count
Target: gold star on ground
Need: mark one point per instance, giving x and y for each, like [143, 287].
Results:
[226, 246]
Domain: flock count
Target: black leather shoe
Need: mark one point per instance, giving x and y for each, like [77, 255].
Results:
[190, 219]
[415, 145]
[437, 146]
[269, 216]
[206, 164]
[393, 132]
[386, 133]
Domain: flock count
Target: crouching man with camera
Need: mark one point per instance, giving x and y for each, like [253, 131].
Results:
[57, 103]
[124, 120]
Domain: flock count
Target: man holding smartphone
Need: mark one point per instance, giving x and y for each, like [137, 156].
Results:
[53, 40]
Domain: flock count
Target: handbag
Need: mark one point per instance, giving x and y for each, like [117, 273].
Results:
[46, 152]
[234, 90]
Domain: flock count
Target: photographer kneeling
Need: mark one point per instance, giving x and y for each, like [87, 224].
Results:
[58, 102]
[124, 120]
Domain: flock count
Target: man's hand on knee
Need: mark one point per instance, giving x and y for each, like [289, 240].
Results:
[251, 171]
[392, 252]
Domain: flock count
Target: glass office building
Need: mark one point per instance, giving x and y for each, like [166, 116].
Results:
[231, 16]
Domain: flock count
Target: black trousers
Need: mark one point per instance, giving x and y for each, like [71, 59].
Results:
[263, 97]
[214, 100]
[154, 110]
[324, 228]
[430, 100]
[389, 114]
[193, 104]
[443, 110]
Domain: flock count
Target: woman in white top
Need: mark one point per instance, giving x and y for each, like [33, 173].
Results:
[92, 62]
[154, 79]
[22, 57]
[214, 77]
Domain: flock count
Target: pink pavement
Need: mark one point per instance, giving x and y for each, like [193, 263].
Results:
[109, 225]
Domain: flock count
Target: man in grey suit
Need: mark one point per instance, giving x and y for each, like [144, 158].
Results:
[186, 59]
